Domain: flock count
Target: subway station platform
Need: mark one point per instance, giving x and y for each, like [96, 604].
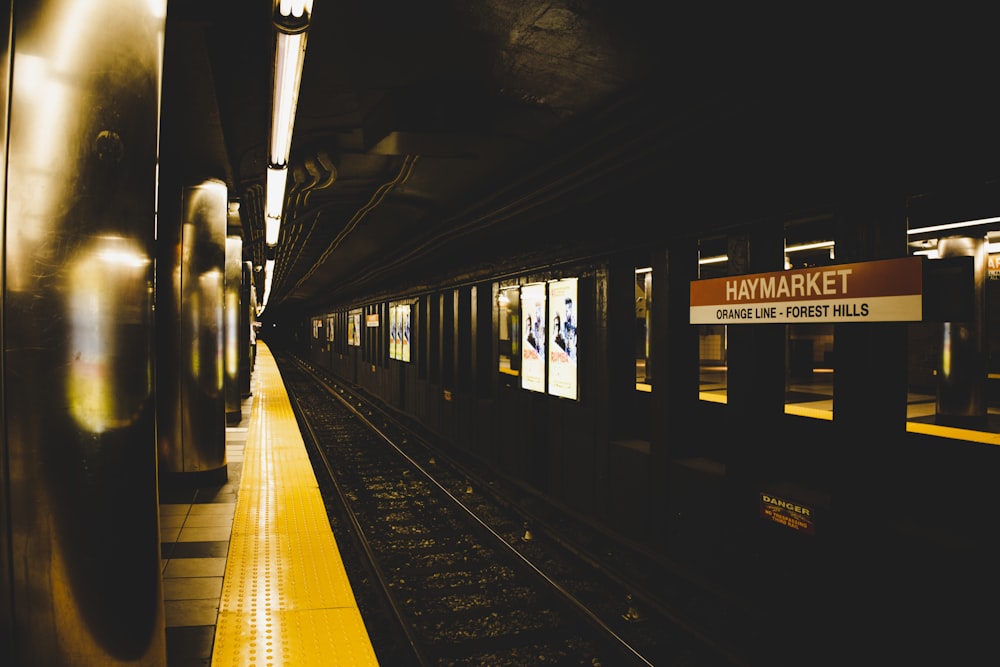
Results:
[252, 572]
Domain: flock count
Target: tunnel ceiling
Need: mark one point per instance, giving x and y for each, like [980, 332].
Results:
[461, 133]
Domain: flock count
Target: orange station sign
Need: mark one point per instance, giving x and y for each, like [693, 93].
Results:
[888, 290]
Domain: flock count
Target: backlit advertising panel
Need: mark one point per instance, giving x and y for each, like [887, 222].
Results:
[354, 328]
[533, 337]
[399, 332]
[562, 338]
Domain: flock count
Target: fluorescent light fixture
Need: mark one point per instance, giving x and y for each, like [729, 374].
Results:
[290, 54]
[272, 227]
[952, 225]
[932, 253]
[274, 198]
[275, 194]
[294, 8]
[291, 21]
[809, 246]
[276, 178]
[715, 259]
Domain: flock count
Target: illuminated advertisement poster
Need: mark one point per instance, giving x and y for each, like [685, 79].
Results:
[404, 332]
[562, 338]
[399, 332]
[393, 328]
[533, 337]
[354, 328]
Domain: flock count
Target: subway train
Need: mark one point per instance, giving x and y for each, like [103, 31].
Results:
[463, 208]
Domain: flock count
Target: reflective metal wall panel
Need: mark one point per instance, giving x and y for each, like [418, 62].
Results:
[233, 332]
[247, 313]
[190, 343]
[6, 598]
[79, 230]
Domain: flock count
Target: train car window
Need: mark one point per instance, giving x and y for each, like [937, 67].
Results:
[713, 262]
[383, 334]
[370, 344]
[809, 365]
[340, 339]
[643, 328]
[463, 347]
[954, 353]
[482, 321]
[434, 339]
[509, 331]
[809, 357]
[421, 335]
[449, 322]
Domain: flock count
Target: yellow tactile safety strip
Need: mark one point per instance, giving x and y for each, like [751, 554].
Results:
[286, 599]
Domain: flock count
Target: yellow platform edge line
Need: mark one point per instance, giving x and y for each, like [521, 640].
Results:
[286, 598]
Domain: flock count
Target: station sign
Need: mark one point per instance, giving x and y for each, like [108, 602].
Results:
[888, 290]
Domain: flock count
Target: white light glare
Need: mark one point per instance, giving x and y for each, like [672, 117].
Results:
[809, 246]
[952, 225]
[290, 54]
[268, 270]
[275, 195]
[295, 8]
[272, 226]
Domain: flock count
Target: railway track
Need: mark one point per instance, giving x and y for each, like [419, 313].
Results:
[450, 569]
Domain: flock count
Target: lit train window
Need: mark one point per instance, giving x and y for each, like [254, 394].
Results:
[713, 262]
[809, 347]
[509, 330]
[954, 359]
[643, 328]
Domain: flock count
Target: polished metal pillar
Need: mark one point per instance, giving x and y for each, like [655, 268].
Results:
[961, 369]
[7, 612]
[233, 332]
[247, 340]
[190, 348]
[81, 564]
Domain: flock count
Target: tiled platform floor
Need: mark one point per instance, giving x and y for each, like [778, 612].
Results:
[195, 529]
